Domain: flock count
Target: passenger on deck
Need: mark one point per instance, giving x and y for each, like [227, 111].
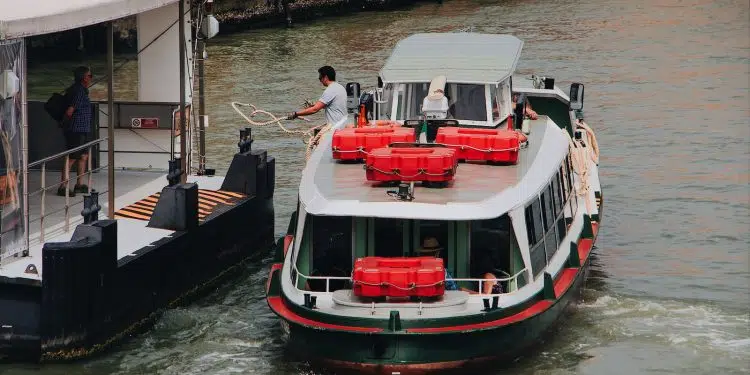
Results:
[333, 98]
[490, 287]
[431, 246]
[530, 113]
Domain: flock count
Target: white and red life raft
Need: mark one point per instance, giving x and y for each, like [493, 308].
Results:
[398, 277]
[406, 164]
[356, 143]
[492, 145]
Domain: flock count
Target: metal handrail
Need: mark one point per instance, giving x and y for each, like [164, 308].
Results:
[67, 152]
[349, 278]
[326, 278]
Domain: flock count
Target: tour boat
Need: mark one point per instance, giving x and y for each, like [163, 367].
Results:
[73, 284]
[442, 228]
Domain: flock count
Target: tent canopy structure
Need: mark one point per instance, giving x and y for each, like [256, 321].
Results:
[36, 17]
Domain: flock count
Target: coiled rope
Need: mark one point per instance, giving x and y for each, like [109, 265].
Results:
[310, 138]
[580, 154]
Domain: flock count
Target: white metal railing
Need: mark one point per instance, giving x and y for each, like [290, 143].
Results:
[43, 214]
[297, 274]
[66, 171]
[328, 279]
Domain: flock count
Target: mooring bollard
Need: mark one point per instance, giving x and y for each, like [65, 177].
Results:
[173, 177]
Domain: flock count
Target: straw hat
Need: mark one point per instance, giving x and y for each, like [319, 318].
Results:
[430, 245]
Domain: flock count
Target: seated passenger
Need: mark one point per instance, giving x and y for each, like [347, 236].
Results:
[431, 246]
[489, 286]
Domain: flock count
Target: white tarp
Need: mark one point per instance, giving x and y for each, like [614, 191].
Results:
[22, 18]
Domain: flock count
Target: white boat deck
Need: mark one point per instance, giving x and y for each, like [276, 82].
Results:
[474, 182]
[130, 187]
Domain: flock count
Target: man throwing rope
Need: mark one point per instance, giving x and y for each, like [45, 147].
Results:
[333, 98]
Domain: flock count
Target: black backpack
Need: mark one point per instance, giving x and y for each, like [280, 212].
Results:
[57, 104]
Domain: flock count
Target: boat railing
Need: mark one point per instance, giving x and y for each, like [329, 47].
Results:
[296, 274]
[44, 214]
[65, 155]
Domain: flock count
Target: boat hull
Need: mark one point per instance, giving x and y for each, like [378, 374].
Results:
[415, 351]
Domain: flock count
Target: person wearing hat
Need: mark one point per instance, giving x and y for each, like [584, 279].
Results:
[431, 246]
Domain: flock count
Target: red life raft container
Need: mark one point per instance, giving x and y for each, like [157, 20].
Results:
[349, 143]
[398, 277]
[493, 145]
[406, 164]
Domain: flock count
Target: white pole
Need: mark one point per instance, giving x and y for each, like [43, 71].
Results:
[24, 145]
[110, 124]
[183, 133]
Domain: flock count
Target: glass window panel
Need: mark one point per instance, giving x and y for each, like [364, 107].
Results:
[550, 242]
[469, 102]
[548, 210]
[537, 217]
[530, 225]
[556, 199]
[561, 229]
[538, 259]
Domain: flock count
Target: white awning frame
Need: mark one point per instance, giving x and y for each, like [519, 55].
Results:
[37, 17]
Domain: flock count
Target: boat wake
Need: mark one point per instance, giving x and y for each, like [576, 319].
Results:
[698, 326]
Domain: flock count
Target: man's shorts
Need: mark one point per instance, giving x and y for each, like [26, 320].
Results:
[73, 140]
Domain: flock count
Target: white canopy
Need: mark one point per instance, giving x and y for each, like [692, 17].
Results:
[460, 57]
[22, 18]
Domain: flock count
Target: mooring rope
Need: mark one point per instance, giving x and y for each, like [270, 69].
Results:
[312, 138]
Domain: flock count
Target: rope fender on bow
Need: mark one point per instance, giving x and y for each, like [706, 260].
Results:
[580, 154]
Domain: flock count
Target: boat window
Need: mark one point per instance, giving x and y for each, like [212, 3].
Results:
[398, 104]
[538, 259]
[470, 102]
[325, 250]
[503, 97]
[494, 249]
[535, 232]
[550, 241]
[548, 213]
[496, 109]
[562, 181]
[556, 195]
[534, 227]
[385, 108]
[409, 97]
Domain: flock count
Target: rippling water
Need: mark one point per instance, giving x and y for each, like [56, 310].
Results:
[666, 91]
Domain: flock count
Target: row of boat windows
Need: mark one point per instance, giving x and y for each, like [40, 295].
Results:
[546, 224]
[469, 249]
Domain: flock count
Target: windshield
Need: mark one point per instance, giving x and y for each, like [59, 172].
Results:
[466, 101]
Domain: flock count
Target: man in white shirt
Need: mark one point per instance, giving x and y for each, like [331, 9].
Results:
[333, 98]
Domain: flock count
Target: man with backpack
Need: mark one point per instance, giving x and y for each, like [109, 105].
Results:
[76, 124]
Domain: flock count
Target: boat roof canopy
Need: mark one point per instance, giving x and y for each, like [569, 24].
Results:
[36, 17]
[421, 57]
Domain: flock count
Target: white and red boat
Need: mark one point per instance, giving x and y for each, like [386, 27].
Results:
[444, 227]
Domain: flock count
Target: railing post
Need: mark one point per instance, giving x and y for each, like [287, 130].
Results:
[25, 144]
[44, 198]
[66, 168]
[88, 168]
